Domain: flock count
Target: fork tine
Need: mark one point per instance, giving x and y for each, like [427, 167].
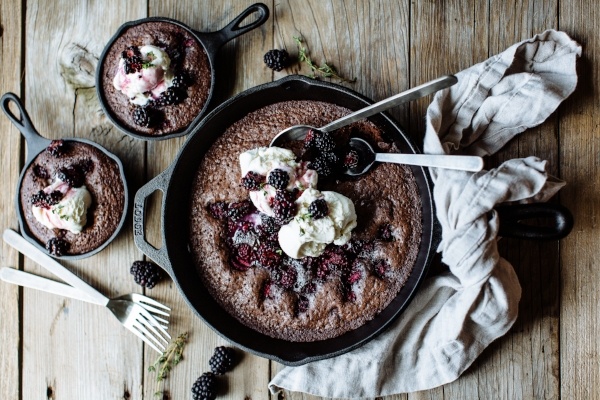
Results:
[153, 309]
[142, 326]
[140, 298]
[135, 330]
[150, 321]
[164, 322]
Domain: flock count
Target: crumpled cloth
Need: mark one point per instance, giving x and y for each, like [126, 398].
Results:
[457, 314]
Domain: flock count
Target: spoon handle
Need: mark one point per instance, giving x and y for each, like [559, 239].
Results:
[408, 95]
[464, 163]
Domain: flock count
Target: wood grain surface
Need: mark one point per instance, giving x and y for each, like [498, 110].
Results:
[56, 348]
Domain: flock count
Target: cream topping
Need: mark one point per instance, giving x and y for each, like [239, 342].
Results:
[70, 213]
[154, 78]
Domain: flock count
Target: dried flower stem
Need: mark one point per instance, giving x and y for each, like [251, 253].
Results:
[167, 360]
[326, 70]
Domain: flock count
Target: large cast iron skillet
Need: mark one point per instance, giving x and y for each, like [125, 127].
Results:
[211, 41]
[37, 144]
[174, 256]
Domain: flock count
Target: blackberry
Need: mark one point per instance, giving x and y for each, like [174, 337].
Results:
[171, 96]
[380, 268]
[146, 273]
[205, 387]
[276, 59]
[269, 225]
[142, 116]
[384, 232]
[57, 247]
[252, 181]
[322, 167]
[239, 210]
[284, 206]
[218, 209]
[268, 255]
[222, 360]
[242, 257]
[40, 172]
[46, 200]
[320, 141]
[286, 277]
[302, 304]
[57, 148]
[179, 81]
[71, 175]
[353, 276]
[318, 209]
[266, 291]
[279, 179]
[351, 159]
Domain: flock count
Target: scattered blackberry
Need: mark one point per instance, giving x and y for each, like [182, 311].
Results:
[384, 232]
[318, 209]
[268, 255]
[302, 304]
[40, 172]
[320, 141]
[71, 175]
[57, 247]
[284, 206]
[57, 148]
[46, 200]
[322, 167]
[380, 268]
[351, 160]
[279, 179]
[218, 209]
[242, 257]
[353, 276]
[222, 360]
[276, 59]
[179, 81]
[309, 288]
[266, 291]
[205, 387]
[252, 181]
[171, 96]
[142, 116]
[349, 294]
[269, 225]
[286, 277]
[239, 210]
[146, 273]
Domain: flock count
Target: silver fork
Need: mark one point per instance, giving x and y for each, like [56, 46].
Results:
[140, 314]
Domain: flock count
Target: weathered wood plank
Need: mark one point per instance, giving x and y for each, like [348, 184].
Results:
[73, 349]
[11, 27]
[579, 150]
[239, 67]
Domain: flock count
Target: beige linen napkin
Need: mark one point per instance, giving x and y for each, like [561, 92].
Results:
[457, 314]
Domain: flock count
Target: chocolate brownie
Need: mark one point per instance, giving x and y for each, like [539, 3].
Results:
[312, 298]
[101, 177]
[188, 60]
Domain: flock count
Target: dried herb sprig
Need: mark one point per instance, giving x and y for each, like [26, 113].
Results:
[167, 360]
[325, 70]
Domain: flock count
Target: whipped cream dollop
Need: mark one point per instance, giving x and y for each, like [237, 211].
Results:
[307, 236]
[153, 78]
[263, 160]
[71, 211]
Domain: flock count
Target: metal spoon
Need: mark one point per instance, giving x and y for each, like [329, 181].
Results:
[367, 156]
[298, 132]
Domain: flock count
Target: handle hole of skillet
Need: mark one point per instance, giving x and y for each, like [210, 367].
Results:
[152, 232]
[249, 20]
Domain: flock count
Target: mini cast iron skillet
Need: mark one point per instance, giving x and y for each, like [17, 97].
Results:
[211, 41]
[36, 144]
[174, 256]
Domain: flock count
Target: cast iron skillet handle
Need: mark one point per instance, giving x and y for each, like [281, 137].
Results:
[513, 219]
[35, 142]
[234, 28]
[159, 256]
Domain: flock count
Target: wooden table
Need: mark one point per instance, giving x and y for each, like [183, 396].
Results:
[57, 348]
